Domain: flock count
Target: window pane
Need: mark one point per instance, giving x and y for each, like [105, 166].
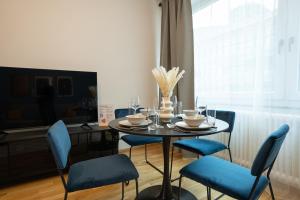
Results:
[235, 49]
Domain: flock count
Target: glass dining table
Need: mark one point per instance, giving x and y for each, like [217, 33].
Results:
[166, 191]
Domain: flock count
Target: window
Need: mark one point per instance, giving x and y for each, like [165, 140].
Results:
[247, 52]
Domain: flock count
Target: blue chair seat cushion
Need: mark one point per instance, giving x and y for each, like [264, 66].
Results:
[200, 146]
[100, 171]
[224, 176]
[136, 140]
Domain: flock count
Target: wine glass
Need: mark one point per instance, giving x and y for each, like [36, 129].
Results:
[135, 103]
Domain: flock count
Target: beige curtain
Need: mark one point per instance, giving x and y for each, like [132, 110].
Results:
[177, 45]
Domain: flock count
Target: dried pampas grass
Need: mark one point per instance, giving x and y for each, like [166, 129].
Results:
[167, 80]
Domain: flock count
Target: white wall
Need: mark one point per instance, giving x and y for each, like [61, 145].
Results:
[117, 38]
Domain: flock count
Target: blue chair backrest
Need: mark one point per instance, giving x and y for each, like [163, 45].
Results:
[269, 151]
[60, 143]
[227, 116]
[123, 112]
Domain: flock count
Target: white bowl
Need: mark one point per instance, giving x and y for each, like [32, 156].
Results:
[194, 121]
[190, 112]
[136, 119]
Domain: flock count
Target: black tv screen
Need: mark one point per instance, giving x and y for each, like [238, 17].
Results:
[40, 97]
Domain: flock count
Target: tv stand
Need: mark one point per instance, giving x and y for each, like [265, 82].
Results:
[86, 126]
[26, 155]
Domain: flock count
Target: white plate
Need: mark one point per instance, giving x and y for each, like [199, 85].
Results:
[126, 123]
[202, 126]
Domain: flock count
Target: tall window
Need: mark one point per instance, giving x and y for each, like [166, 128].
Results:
[247, 53]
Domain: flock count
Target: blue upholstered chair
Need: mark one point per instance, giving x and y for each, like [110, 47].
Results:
[136, 140]
[205, 146]
[90, 173]
[234, 180]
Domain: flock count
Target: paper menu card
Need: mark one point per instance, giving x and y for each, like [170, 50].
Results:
[106, 114]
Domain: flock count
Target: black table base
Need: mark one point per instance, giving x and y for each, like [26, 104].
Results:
[166, 191]
[154, 193]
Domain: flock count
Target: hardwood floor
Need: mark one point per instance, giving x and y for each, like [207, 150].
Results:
[52, 189]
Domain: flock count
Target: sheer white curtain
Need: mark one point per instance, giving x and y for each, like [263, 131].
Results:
[247, 55]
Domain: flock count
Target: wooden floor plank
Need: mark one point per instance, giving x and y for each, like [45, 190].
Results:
[52, 189]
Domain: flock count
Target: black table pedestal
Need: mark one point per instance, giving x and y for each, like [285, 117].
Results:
[153, 193]
[165, 191]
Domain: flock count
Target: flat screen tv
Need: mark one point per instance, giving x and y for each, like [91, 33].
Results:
[39, 97]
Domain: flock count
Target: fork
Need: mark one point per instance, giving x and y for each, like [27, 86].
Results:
[181, 130]
[133, 128]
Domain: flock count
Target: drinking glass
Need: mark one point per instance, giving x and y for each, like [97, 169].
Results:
[202, 109]
[135, 103]
[174, 100]
[179, 108]
[130, 110]
[211, 117]
[156, 112]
